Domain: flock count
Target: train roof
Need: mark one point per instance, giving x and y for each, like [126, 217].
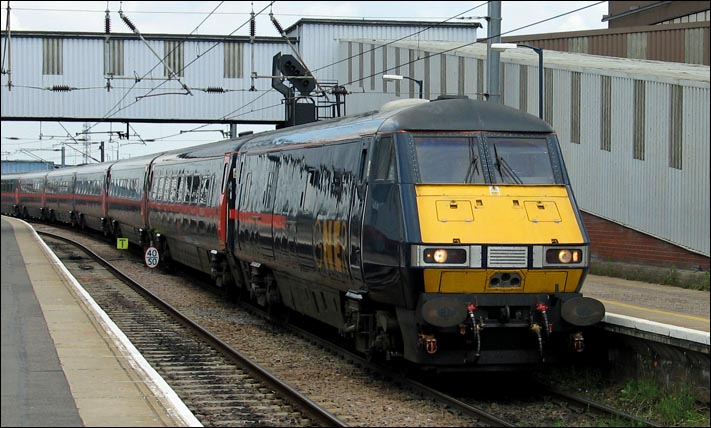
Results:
[203, 151]
[450, 114]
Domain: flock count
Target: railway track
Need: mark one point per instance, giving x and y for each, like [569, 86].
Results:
[202, 382]
[476, 396]
[219, 385]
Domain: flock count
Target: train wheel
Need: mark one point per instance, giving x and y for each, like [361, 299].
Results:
[117, 231]
[166, 261]
[279, 314]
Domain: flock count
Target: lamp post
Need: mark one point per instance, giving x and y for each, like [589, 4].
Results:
[393, 77]
[503, 46]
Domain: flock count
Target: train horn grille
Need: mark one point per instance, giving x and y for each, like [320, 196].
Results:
[507, 257]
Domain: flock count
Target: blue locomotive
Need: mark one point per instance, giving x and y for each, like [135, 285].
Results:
[442, 232]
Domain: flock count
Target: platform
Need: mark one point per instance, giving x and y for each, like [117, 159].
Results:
[64, 362]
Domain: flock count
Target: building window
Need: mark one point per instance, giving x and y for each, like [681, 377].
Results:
[639, 119]
[575, 107]
[606, 113]
[350, 61]
[385, 68]
[480, 79]
[397, 71]
[548, 88]
[233, 60]
[361, 66]
[443, 74]
[411, 72]
[52, 54]
[523, 88]
[676, 128]
[173, 58]
[462, 75]
[372, 67]
[113, 58]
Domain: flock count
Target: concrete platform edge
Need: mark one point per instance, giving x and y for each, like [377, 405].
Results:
[162, 391]
[658, 328]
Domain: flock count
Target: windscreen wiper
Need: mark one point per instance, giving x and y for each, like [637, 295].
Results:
[473, 165]
[504, 167]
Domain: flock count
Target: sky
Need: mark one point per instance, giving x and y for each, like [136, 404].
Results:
[228, 19]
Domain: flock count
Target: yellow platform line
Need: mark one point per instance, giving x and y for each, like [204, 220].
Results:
[690, 317]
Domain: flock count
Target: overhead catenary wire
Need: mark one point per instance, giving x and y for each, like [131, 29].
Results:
[364, 77]
[173, 74]
[471, 43]
[111, 111]
[440, 53]
[109, 114]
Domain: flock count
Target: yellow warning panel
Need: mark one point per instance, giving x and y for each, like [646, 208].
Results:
[122, 243]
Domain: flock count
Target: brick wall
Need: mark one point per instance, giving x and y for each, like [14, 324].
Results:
[610, 241]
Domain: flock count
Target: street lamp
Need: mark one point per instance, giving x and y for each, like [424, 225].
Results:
[500, 47]
[393, 77]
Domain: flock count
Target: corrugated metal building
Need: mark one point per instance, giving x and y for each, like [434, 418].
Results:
[635, 134]
[674, 31]
[688, 43]
[635, 13]
[81, 76]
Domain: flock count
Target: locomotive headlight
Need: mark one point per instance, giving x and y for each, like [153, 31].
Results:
[564, 256]
[441, 256]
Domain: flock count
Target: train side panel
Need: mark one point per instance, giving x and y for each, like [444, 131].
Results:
[10, 190]
[90, 200]
[31, 195]
[126, 200]
[59, 195]
[183, 208]
[297, 227]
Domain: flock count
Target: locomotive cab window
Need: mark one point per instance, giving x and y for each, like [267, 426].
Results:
[448, 160]
[520, 160]
[385, 162]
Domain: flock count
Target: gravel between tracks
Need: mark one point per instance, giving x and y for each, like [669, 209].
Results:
[355, 396]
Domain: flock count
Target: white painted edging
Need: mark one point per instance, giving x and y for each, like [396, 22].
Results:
[153, 380]
[658, 328]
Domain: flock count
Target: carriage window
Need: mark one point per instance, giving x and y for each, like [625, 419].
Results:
[180, 187]
[195, 192]
[172, 188]
[520, 160]
[154, 188]
[246, 188]
[448, 160]
[385, 166]
[205, 187]
[158, 192]
[188, 189]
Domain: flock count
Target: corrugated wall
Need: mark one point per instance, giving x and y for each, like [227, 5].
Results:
[44, 60]
[320, 55]
[635, 134]
[152, 98]
[685, 43]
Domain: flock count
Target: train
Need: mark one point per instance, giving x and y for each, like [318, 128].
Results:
[441, 233]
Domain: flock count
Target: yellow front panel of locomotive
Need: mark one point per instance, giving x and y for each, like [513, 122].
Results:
[496, 214]
[479, 281]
